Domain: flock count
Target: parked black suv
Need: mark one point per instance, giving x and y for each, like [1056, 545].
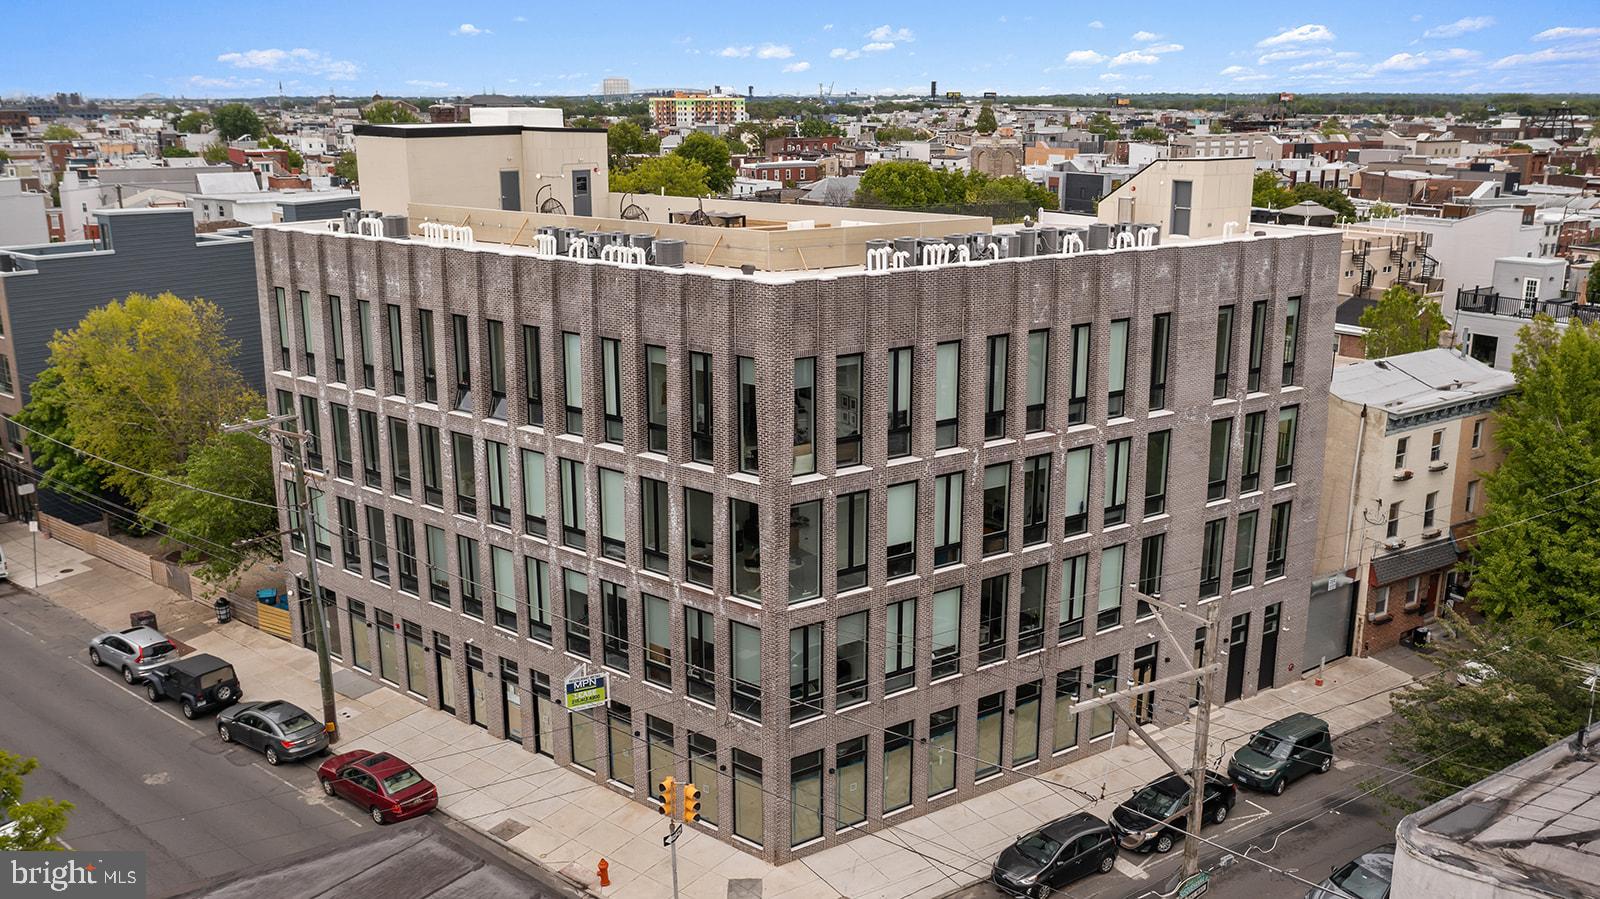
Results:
[1057, 854]
[1157, 815]
[1282, 752]
[200, 683]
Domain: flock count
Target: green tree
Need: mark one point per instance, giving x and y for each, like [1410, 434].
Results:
[818, 128]
[891, 134]
[193, 122]
[345, 166]
[986, 123]
[1265, 191]
[216, 153]
[1101, 124]
[388, 112]
[678, 176]
[1330, 127]
[1328, 197]
[906, 182]
[39, 821]
[58, 131]
[1457, 721]
[4, 157]
[711, 153]
[209, 527]
[1591, 286]
[236, 120]
[626, 139]
[1519, 145]
[292, 156]
[1538, 549]
[177, 153]
[1150, 134]
[1402, 321]
[1012, 189]
[49, 435]
[1382, 211]
[147, 381]
[584, 121]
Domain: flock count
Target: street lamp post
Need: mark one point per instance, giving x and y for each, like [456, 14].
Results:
[32, 493]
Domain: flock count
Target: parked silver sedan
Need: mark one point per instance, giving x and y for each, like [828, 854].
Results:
[280, 730]
[133, 651]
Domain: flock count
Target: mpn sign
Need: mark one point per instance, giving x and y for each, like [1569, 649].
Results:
[586, 691]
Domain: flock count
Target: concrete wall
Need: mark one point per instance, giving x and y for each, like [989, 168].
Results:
[1467, 247]
[1220, 194]
[21, 214]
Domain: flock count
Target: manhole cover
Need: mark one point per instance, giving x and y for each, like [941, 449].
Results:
[507, 829]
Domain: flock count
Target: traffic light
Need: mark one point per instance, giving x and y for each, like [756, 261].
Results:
[691, 802]
[669, 789]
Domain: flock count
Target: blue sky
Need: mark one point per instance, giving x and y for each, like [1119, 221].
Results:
[127, 49]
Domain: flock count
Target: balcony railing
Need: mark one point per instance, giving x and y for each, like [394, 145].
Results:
[1487, 301]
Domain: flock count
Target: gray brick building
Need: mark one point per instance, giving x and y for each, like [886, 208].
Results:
[849, 542]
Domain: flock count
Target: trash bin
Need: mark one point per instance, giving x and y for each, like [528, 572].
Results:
[144, 618]
[224, 610]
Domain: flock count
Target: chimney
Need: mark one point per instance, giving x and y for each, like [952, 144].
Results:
[933, 89]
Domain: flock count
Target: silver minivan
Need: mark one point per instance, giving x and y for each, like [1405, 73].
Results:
[132, 651]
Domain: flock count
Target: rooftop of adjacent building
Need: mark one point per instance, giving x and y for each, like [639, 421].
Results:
[172, 223]
[1530, 827]
[1414, 382]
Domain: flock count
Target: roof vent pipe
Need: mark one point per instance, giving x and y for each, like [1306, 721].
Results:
[578, 248]
[1228, 228]
[1147, 236]
[936, 254]
[544, 245]
[1072, 244]
[1125, 239]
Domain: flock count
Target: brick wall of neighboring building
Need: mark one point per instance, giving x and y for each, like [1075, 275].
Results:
[773, 322]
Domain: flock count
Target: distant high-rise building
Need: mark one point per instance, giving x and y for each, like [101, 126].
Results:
[686, 109]
[615, 87]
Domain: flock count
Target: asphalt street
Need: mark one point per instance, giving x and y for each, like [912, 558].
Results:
[1320, 822]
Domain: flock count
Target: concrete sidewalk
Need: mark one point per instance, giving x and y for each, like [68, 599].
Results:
[567, 822]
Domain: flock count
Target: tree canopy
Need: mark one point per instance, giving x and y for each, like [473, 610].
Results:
[890, 134]
[388, 112]
[193, 122]
[711, 153]
[1591, 286]
[1267, 192]
[345, 166]
[58, 131]
[986, 123]
[177, 153]
[208, 526]
[1538, 550]
[908, 183]
[678, 176]
[1149, 134]
[215, 153]
[39, 821]
[1402, 321]
[818, 128]
[625, 139]
[236, 120]
[145, 382]
[1101, 124]
[291, 155]
[50, 437]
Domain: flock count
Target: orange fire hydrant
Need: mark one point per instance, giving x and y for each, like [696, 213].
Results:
[605, 878]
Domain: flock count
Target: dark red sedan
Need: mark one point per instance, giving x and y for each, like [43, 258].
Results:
[388, 788]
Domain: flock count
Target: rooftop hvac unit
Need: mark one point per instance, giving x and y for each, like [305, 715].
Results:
[1010, 245]
[1099, 237]
[1067, 238]
[351, 216]
[669, 252]
[1027, 241]
[877, 243]
[397, 226]
[1049, 241]
[643, 242]
[905, 245]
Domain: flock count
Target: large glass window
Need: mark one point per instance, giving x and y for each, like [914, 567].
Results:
[1117, 453]
[397, 352]
[428, 352]
[1291, 340]
[1258, 336]
[697, 537]
[321, 532]
[1160, 354]
[533, 493]
[660, 760]
[619, 741]
[1038, 378]
[946, 635]
[942, 751]
[805, 551]
[572, 379]
[614, 625]
[1152, 559]
[371, 464]
[1078, 490]
[1221, 449]
[503, 570]
[461, 355]
[805, 672]
[851, 532]
[947, 395]
[749, 421]
[576, 603]
[611, 387]
[309, 332]
[805, 415]
[613, 532]
[1030, 609]
[1035, 499]
[947, 518]
[657, 640]
[992, 619]
[1255, 424]
[850, 783]
[583, 751]
[432, 469]
[1102, 721]
[746, 670]
[847, 410]
[497, 368]
[746, 528]
[438, 566]
[900, 402]
[1158, 446]
[1117, 370]
[1068, 685]
[1211, 558]
[900, 646]
[655, 398]
[994, 387]
[850, 660]
[700, 654]
[901, 536]
[1244, 550]
[405, 551]
[991, 733]
[496, 459]
[1025, 732]
[1108, 608]
[574, 511]
[1224, 353]
[467, 575]
[399, 457]
[996, 508]
[805, 798]
[343, 461]
[378, 559]
[533, 375]
[466, 480]
[1144, 671]
[897, 742]
[701, 441]
[1288, 420]
[311, 426]
[1278, 541]
[536, 575]
[283, 328]
[655, 531]
[349, 534]
[416, 658]
[360, 634]
[1074, 591]
[703, 773]
[1078, 389]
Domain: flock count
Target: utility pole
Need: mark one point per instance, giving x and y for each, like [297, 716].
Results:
[1202, 734]
[293, 443]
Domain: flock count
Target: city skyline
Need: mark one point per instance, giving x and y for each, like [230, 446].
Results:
[362, 48]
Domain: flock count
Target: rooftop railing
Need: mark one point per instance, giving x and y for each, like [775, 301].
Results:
[1488, 301]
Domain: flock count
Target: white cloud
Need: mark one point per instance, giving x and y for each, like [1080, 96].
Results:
[1134, 58]
[428, 85]
[1402, 62]
[774, 51]
[735, 52]
[1097, 24]
[888, 34]
[1144, 37]
[1301, 35]
[1111, 76]
[1163, 48]
[1565, 33]
[519, 18]
[1281, 55]
[877, 47]
[1465, 25]
[842, 53]
[801, 66]
[828, 27]
[299, 60]
[467, 29]
[1548, 55]
[1234, 70]
[1084, 58]
[227, 83]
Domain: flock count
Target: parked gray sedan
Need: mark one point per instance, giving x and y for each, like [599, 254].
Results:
[133, 651]
[281, 730]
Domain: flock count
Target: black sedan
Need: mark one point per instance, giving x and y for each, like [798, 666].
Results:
[1062, 852]
[1156, 816]
[280, 730]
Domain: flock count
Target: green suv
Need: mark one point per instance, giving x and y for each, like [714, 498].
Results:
[1283, 751]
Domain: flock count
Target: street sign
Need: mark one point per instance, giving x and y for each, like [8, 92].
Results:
[1194, 887]
[672, 837]
[585, 691]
